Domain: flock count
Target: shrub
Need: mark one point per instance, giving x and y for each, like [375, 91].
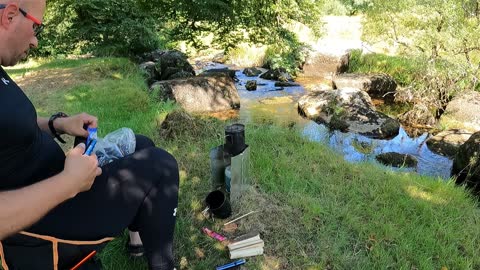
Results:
[101, 27]
[287, 52]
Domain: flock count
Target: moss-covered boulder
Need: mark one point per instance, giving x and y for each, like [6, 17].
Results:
[397, 160]
[466, 165]
[349, 110]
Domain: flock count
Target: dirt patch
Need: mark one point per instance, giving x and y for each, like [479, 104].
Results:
[51, 80]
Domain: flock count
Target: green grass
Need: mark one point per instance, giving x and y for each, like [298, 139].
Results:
[404, 70]
[317, 211]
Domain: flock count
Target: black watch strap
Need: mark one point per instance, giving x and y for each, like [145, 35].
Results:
[52, 128]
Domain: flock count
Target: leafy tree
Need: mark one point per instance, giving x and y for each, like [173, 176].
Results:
[104, 27]
[233, 20]
[442, 31]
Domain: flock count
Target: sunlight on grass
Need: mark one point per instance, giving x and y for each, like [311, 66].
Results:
[117, 76]
[195, 205]
[271, 263]
[41, 111]
[416, 192]
[219, 246]
[69, 97]
[200, 217]
[29, 64]
[316, 210]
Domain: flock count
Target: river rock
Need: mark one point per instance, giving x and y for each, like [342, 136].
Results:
[252, 72]
[348, 110]
[286, 84]
[326, 66]
[251, 85]
[219, 71]
[464, 110]
[420, 117]
[466, 165]
[150, 71]
[180, 75]
[200, 94]
[447, 143]
[166, 64]
[376, 85]
[278, 74]
[397, 160]
[219, 58]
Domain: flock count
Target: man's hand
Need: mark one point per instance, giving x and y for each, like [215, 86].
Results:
[80, 169]
[23, 207]
[73, 125]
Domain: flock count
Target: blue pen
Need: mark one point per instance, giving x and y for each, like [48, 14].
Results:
[90, 147]
[232, 264]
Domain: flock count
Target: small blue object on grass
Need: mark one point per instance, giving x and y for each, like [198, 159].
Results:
[231, 265]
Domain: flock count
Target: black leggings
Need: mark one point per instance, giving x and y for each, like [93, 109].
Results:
[139, 191]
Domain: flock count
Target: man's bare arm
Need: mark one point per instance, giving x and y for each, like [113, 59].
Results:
[73, 125]
[43, 124]
[22, 207]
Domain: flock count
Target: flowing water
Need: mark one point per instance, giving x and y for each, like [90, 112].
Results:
[272, 104]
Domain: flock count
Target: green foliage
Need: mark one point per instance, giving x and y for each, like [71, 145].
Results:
[438, 30]
[345, 7]
[435, 83]
[286, 52]
[102, 27]
[128, 27]
[335, 8]
[403, 69]
[233, 21]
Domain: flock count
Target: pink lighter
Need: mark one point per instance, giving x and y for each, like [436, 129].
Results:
[214, 235]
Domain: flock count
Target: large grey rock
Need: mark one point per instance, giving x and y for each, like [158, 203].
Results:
[464, 109]
[447, 143]
[325, 66]
[376, 85]
[219, 71]
[278, 74]
[286, 84]
[466, 165]
[150, 71]
[252, 72]
[166, 64]
[200, 94]
[348, 110]
[397, 160]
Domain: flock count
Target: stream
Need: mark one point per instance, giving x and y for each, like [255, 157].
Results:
[278, 105]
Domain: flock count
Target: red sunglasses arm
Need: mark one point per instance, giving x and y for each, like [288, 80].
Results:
[35, 20]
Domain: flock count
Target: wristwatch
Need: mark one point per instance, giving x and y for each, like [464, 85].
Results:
[52, 128]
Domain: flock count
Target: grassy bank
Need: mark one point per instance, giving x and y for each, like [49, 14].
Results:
[404, 70]
[317, 211]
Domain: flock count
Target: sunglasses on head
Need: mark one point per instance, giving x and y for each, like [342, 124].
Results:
[37, 24]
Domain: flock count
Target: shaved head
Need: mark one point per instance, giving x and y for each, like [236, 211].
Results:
[17, 35]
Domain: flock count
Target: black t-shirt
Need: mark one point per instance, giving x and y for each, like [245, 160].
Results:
[27, 154]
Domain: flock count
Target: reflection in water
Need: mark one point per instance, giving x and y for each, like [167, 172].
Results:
[429, 163]
[354, 147]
